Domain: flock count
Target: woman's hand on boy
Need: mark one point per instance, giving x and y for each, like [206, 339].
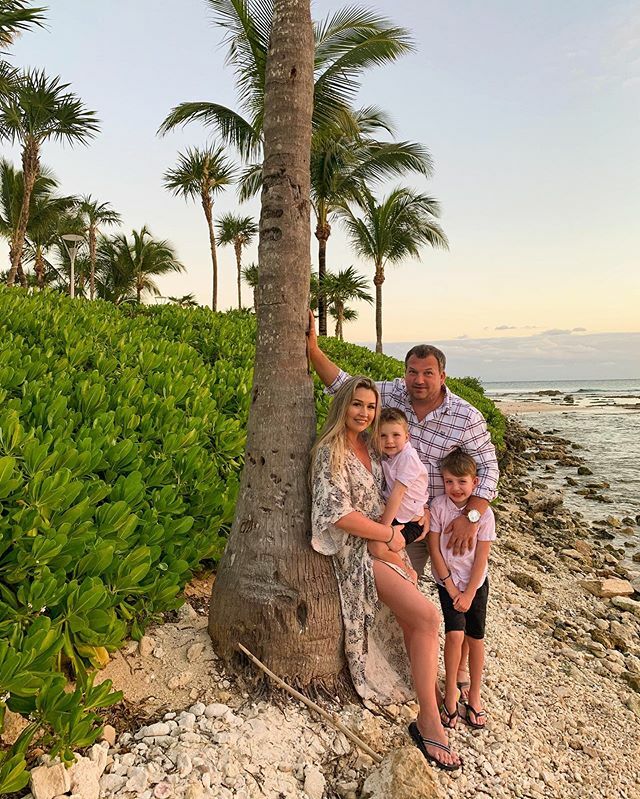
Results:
[425, 523]
[397, 542]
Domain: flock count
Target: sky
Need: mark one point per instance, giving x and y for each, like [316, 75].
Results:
[530, 110]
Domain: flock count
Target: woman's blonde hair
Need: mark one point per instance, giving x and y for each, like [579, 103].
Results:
[332, 434]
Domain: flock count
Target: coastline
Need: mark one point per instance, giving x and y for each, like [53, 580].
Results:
[561, 691]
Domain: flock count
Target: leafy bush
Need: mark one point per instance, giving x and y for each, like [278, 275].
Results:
[122, 435]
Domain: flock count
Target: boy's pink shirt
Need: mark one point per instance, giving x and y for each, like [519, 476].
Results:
[407, 468]
[443, 512]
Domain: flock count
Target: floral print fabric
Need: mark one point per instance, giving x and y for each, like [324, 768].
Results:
[374, 645]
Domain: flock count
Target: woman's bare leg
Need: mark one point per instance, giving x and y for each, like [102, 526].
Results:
[419, 620]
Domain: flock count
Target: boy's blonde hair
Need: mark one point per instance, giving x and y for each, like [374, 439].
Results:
[394, 416]
[459, 464]
[332, 434]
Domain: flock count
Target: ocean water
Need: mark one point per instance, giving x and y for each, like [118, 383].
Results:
[604, 419]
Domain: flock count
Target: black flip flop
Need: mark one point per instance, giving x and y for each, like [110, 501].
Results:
[422, 744]
[448, 719]
[477, 713]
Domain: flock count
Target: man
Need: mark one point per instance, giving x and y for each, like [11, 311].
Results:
[439, 422]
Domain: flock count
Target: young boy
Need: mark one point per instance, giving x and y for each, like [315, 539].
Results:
[462, 585]
[407, 486]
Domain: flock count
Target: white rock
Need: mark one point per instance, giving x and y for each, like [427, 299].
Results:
[49, 781]
[162, 790]
[137, 779]
[215, 710]
[197, 709]
[184, 764]
[186, 613]
[99, 754]
[85, 776]
[314, 782]
[146, 646]
[110, 783]
[194, 791]
[159, 728]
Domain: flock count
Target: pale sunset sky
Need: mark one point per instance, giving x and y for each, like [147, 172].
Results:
[531, 111]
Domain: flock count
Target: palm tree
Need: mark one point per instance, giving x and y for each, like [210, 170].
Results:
[343, 162]
[250, 277]
[272, 592]
[50, 216]
[186, 301]
[16, 16]
[39, 109]
[348, 315]
[239, 231]
[392, 230]
[203, 174]
[345, 45]
[127, 267]
[11, 196]
[94, 215]
[341, 288]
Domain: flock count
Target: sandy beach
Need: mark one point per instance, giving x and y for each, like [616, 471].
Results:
[562, 682]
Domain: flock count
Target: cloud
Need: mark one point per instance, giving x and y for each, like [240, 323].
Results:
[538, 357]
[464, 335]
[506, 327]
[579, 330]
[555, 331]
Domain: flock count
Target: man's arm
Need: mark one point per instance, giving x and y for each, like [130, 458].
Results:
[476, 442]
[326, 369]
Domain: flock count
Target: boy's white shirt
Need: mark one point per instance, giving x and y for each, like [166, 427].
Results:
[407, 467]
[443, 512]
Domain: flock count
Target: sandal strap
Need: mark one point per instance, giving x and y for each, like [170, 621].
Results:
[477, 713]
[431, 742]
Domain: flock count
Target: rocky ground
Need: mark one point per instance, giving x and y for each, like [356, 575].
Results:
[562, 683]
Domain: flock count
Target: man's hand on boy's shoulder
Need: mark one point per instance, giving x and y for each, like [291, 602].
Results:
[462, 535]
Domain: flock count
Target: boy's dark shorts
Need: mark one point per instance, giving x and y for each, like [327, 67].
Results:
[410, 531]
[472, 622]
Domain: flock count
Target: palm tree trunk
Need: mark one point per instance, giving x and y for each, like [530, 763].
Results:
[378, 280]
[39, 268]
[207, 207]
[323, 231]
[238, 248]
[30, 170]
[273, 593]
[339, 309]
[92, 261]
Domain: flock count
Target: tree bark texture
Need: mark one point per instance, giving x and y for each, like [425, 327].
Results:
[30, 171]
[323, 231]
[273, 593]
[207, 207]
[378, 280]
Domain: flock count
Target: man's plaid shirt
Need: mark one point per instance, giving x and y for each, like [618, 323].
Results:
[453, 424]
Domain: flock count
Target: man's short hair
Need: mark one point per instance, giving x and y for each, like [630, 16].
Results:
[459, 464]
[426, 351]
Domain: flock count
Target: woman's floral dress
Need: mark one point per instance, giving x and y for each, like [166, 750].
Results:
[374, 645]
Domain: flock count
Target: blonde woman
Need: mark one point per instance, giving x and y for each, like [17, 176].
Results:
[382, 610]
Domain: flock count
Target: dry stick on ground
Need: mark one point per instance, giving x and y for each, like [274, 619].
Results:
[323, 713]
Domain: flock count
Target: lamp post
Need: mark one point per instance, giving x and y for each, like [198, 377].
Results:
[71, 244]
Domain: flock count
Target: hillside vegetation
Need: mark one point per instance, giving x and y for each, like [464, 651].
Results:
[122, 434]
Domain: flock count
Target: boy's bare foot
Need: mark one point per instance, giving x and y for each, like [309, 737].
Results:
[474, 714]
[463, 682]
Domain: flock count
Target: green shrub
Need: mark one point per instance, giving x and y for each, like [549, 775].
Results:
[122, 435]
